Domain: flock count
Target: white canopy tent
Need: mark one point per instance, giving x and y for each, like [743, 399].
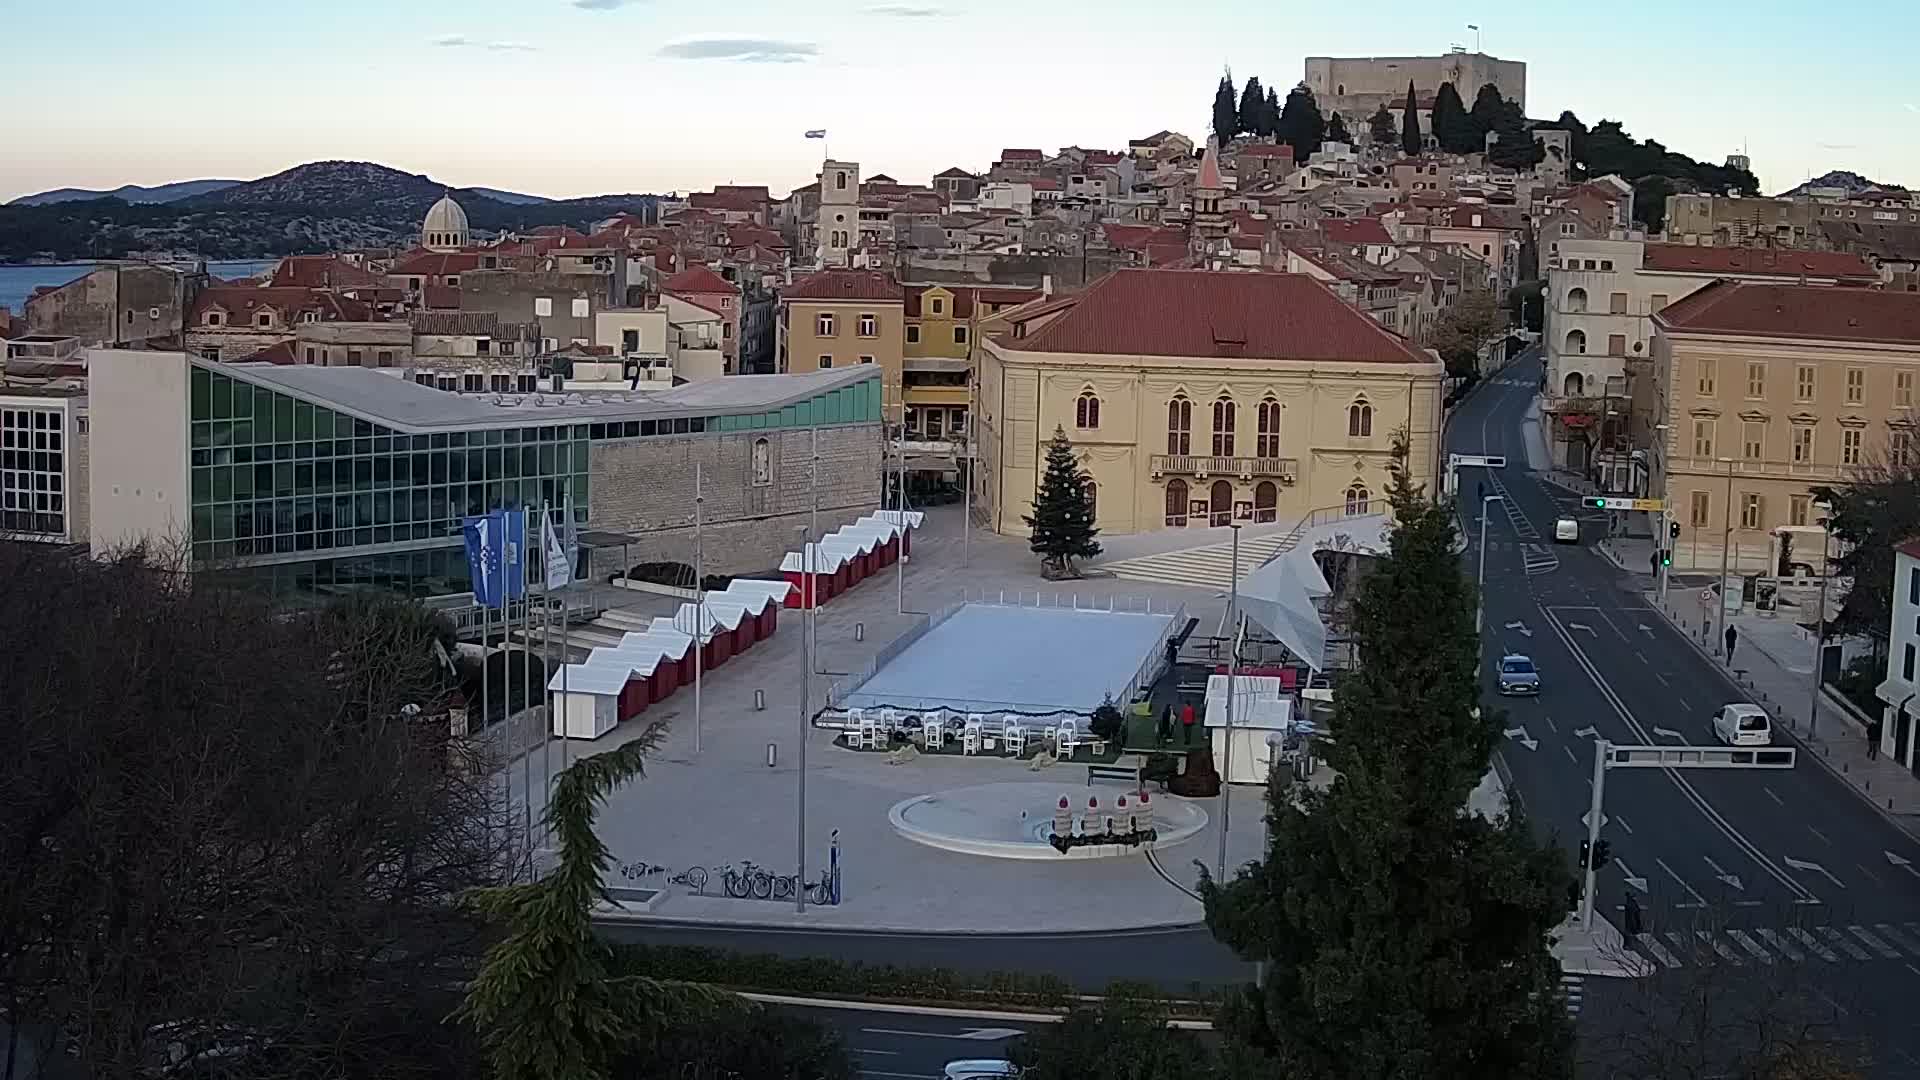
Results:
[1279, 596]
[1262, 713]
[586, 697]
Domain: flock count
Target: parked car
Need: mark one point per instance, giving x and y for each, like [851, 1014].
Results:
[1742, 724]
[1566, 531]
[1518, 675]
[981, 1069]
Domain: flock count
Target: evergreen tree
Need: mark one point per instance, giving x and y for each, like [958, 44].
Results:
[1337, 130]
[1226, 114]
[1452, 127]
[1253, 108]
[1380, 126]
[1270, 112]
[1062, 520]
[1488, 108]
[1410, 125]
[1402, 937]
[1301, 125]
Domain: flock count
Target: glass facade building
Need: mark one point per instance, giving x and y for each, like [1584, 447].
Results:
[33, 469]
[302, 496]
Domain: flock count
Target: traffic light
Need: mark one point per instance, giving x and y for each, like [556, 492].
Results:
[1602, 854]
[1666, 557]
[1673, 530]
[1585, 854]
[1594, 502]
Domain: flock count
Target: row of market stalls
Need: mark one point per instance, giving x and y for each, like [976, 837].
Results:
[617, 683]
[847, 556]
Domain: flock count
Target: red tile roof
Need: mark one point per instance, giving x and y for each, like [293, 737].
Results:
[241, 301]
[1102, 157]
[434, 263]
[1210, 169]
[280, 352]
[1044, 183]
[1199, 313]
[1022, 155]
[699, 279]
[1682, 258]
[440, 297]
[1804, 312]
[1265, 150]
[844, 285]
[1364, 230]
[321, 272]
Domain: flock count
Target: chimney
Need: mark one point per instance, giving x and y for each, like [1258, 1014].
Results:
[1046, 286]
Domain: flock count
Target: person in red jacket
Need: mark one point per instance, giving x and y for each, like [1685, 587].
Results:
[1186, 723]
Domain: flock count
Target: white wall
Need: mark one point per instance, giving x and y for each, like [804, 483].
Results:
[651, 324]
[137, 462]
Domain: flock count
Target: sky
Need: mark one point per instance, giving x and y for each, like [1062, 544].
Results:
[579, 97]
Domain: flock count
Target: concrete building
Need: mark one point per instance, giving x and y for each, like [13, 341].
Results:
[1900, 689]
[234, 322]
[122, 305]
[317, 479]
[943, 333]
[1199, 398]
[709, 290]
[560, 294]
[43, 465]
[845, 318]
[1767, 389]
[1356, 86]
[837, 220]
[354, 344]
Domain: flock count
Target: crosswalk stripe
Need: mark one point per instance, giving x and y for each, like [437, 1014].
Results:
[1834, 937]
[1813, 944]
[1781, 945]
[1893, 934]
[1681, 945]
[1874, 943]
[1713, 942]
[1751, 946]
[1659, 951]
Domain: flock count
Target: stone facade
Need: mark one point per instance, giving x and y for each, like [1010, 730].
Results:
[116, 305]
[752, 511]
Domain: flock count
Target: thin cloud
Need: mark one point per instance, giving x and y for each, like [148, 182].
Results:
[600, 5]
[1911, 107]
[511, 46]
[452, 41]
[905, 11]
[745, 50]
[458, 41]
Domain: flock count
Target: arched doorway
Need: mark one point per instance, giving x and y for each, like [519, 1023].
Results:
[1266, 501]
[1574, 386]
[1220, 504]
[1576, 342]
[1176, 504]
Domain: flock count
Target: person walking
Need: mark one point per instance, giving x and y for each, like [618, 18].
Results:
[1733, 638]
[1634, 922]
[1164, 734]
[1186, 723]
[1874, 729]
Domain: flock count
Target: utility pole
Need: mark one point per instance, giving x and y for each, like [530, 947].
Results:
[1726, 544]
[1233, 673]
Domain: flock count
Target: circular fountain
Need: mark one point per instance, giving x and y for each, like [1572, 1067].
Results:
[1043, 821]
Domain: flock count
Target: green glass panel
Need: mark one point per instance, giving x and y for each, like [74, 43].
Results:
[201, 383]
[263, 415]
[222, 483]
[202, 523]
[242, 398]
[242, 482]
[222, 397]
[202, 434]
[282, 418]
[579, 454]
[202, 486]
[223, 523]
[302, 420]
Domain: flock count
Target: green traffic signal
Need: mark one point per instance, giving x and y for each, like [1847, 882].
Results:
[1596, 503]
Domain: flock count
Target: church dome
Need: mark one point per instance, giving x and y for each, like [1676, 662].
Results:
[445, 227]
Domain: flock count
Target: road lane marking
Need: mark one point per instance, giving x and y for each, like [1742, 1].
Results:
[1575, 760]
[1681, 943]
[898, 1075]
[882, 1053]
[1699, 901]
[1781, 945]
[1874, 943]
[1813, 944]
[1692, 793]
[1771, 795]
[1871, 876]
[1822, 836]
[1659, 951]
[1802, 864]
[1622, 822]
[1836, 938]
[970, 1035]
[1893, 933]
[1662, 677]
[1555, 728]
[1751, 946]
[1714, 943]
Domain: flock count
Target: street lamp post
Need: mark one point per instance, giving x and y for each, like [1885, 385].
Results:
[1233, 673]
[1820, 626]
[1726, 545]
[1479, 603]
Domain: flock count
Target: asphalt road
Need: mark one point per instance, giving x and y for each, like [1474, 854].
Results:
[905, 1046]
[1761, 869]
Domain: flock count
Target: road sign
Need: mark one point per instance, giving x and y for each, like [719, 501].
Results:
[1700, 757]
[1485, 461]
[1608, 502]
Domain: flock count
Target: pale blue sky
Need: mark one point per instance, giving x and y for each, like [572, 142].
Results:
[574, 97]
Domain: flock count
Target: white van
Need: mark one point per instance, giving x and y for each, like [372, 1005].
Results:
[1566, 531]
[1743, 724]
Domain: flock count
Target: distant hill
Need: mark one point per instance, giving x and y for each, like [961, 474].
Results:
[317, 207]
[127, 193]
[1852, 182]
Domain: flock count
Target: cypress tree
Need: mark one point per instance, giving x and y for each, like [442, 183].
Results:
[1337, 130]
[1410, 125]
[1301, 125]
[1062, 519]
[1253, 107]
[1485, 116]
[1226, 114]
[1451, 124]
[1270, 112]
[1402, 937]
[1380, 126]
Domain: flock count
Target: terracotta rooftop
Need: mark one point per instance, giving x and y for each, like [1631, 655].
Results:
[241, 301]
[434, 263]
[1265, 150]
[844, 285]
[1804, 312]
[1783, 263]
[1022, 155]
[1910, 547]
[954, 173]
[1199, 313]
[322, 271]
[1355, 231]
[1210, 169]
[698, 279]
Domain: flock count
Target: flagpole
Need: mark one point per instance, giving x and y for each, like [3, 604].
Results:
[700, 606]
[546, 676]
[566, 593]
[810, 562]
[526, 759]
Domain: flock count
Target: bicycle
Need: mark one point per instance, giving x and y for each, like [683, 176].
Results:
[634, 871]
[750, 882]
[693, 877]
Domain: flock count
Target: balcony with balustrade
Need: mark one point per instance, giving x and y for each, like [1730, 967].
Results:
[1202, 467]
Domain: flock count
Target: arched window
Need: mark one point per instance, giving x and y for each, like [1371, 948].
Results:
[1575, 385]
[1224, 415]
[1266, 501]
[1357, 498]
[1267, 443]
[1093, 497]
[1360, 420]
[1220, 504]
[1179, 426]
[1086, 410]
[762, 463]
[1576, 299]
[1176, 503]
[1576, 341]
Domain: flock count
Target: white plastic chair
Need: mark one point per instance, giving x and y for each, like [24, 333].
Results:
[933, 730]
[1065, 738]
[870, 736]
[1015, 737]
[972, 733]
[889, 723]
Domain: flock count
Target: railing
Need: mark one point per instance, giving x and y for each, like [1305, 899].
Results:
[1762, 467]
[1287, 469]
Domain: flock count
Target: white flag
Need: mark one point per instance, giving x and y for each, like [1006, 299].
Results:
[817, 133]
[559, 561]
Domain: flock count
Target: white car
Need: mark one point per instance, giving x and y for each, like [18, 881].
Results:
[1566, 531]
[1742, 724]
[981, 1069]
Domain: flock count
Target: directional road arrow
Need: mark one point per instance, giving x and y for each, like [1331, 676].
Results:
[1732, 881]
[1519, 735]
[1632, 881]
[1582, 626]
[1901, 863]
[1799, 864]
[1521, 628]
[1647, 630]
[1586, 732]
[1669, 733]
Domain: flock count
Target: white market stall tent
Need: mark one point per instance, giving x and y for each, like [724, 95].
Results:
[586, 697]
[1262, 716]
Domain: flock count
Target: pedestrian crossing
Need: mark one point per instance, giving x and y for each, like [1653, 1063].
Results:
[1858, 943]
[1209, 567]
[1573, 988]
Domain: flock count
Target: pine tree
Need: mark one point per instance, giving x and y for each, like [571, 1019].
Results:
[1451, 125]
[1410, 125]
[1401, 936]
[1226, 114]
[1380, 126]
[1337, 130]
[1488, 106]
[1301, 125]
[1062, 520]
[1253, 107]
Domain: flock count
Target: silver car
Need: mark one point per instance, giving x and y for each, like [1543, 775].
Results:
[1518, 675]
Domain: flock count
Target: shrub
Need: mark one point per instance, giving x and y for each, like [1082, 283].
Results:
[828, 977]
[1107, 723]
